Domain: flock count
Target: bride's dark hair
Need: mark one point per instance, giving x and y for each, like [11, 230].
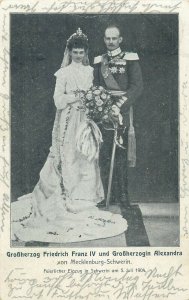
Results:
[78, 42]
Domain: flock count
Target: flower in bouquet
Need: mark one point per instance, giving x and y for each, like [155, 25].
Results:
[115, 110]
[81, 94]
[97, 103]
[97, 91]
[89, 96]
[103, 96]
[101, 88]
[97, 98]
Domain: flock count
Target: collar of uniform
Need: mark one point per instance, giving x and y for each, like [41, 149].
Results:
[114, 52]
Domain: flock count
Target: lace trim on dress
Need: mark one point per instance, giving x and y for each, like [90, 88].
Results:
[24, 218]
[58, 145]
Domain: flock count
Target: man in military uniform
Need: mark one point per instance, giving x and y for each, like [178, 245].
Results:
[120, 73]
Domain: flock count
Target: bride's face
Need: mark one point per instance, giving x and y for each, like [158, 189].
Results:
[77, 54]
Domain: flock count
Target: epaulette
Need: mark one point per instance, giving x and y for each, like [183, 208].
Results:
[131, 56]
[97, 59]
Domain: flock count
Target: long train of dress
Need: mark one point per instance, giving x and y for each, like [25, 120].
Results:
[62, 207]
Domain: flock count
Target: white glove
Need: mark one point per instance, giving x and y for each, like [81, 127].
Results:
[115, 110]
[121, 101]
[116, 114]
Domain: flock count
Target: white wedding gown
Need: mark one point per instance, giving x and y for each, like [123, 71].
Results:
[62, 207]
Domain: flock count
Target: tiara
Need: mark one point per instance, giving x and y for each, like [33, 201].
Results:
[77, 34]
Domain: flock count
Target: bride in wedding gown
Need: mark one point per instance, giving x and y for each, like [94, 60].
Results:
[62, 207]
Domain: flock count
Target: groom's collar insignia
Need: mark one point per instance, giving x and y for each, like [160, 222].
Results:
[125, 56]
[114, 52]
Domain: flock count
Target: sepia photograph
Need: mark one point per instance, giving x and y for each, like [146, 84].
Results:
[94, 130]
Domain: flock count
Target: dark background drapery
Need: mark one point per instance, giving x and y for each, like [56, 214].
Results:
[37, 47]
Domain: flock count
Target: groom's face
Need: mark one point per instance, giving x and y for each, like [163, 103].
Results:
[112, 38]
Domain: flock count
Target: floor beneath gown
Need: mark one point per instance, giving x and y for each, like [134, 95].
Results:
[149, 224]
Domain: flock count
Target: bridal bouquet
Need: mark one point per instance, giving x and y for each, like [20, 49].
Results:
[97, 103]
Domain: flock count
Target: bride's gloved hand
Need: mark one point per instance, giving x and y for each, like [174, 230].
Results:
[121, 101]
[115, 111]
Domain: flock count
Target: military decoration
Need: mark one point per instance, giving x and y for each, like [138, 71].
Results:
[113, 70]
[117, 66]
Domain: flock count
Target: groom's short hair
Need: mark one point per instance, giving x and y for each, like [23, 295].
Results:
[113, 25]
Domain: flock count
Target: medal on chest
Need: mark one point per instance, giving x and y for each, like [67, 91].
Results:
[117, 66]
[114, 66]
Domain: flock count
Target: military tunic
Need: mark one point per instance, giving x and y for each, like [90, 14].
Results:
[126, 71]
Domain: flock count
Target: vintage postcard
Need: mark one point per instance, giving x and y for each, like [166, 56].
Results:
[94, 158]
